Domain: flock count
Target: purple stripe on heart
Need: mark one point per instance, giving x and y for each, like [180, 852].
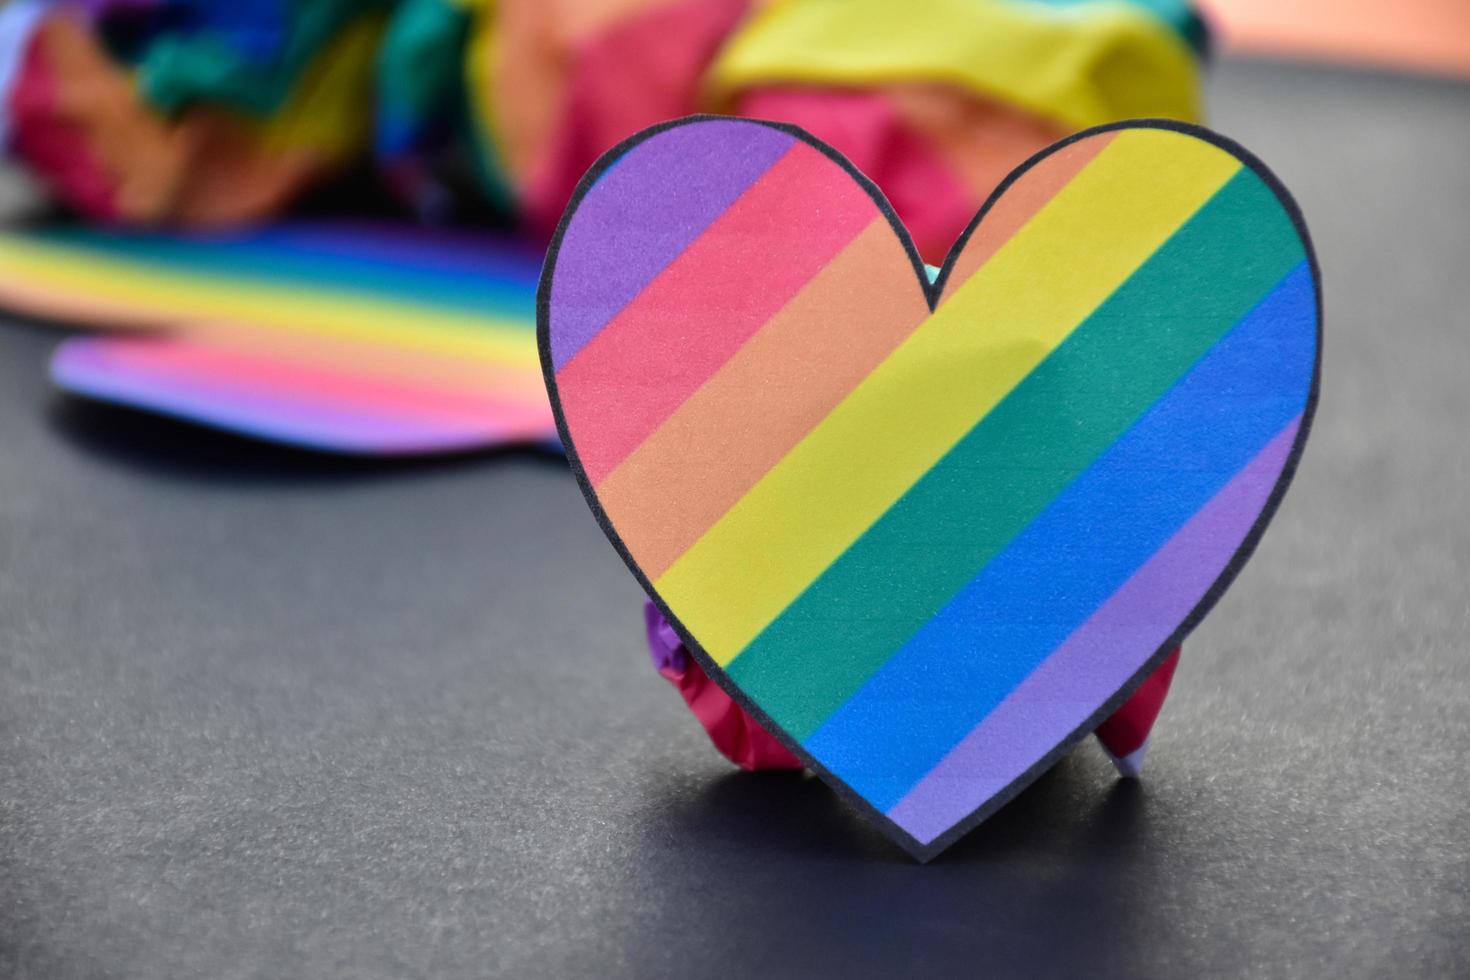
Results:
[649, 207]
[1085, 670]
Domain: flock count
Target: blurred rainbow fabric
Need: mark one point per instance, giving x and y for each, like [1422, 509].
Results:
[183, 135]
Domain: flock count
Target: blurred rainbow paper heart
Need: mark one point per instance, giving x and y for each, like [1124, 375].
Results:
[343, 337]
[931, 535]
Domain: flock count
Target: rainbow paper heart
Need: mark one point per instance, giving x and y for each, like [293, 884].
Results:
[931, 535]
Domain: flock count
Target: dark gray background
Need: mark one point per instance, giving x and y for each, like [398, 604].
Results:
[265, 715]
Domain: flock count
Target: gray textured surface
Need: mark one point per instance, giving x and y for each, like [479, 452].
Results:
[261, 716]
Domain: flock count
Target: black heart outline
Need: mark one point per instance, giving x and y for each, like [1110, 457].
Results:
[932, 292]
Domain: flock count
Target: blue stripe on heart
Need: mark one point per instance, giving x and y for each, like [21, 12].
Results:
[1026, 602]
